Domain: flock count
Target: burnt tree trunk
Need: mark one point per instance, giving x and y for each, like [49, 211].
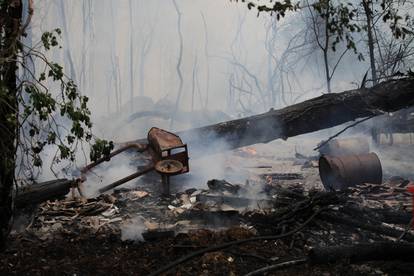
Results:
[315, 114]
[10, 23]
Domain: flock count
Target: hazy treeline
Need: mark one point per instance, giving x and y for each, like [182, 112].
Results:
[224, 55]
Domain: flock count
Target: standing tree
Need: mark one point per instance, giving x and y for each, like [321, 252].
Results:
[389, 36]
[336, 22]
[10, 32]
[331, 23]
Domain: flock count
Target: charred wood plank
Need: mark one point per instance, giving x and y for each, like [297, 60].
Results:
[40, 192]
[281, 176]
[233, 201]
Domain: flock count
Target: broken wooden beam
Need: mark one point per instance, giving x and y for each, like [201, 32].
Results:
[40, 192]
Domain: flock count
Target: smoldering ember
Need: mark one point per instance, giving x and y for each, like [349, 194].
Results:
[190, 137]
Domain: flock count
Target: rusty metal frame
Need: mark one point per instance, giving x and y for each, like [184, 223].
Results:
[175, 143]
[139, 147]
[156, 137]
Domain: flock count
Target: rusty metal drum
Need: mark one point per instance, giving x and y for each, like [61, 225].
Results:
[341, 172]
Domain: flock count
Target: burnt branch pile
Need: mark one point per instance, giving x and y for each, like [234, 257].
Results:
[334, 225]
[301, 232]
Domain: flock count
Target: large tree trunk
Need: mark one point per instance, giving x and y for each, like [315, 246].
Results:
[10, 21]
[315, 114]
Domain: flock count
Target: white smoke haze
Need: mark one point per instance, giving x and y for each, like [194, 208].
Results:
[118, 167]
[132, 229]
[123, 56]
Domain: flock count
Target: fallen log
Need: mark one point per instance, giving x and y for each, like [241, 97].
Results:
[40, 192]
[315, 114]
[363, 252]
[384, 251]
[386, 215]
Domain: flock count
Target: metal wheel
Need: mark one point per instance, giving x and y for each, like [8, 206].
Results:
[169, 167]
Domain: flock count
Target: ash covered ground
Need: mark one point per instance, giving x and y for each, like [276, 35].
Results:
[270, 190]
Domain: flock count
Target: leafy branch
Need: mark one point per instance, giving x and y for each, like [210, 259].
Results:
[43, 114]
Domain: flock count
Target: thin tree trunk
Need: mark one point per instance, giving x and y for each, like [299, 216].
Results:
[131, 58]
[207, 59]
[116, 85]
[325, 53]
[118, 77]
[145, 48]
[91, 63]
[114, 58]
[179, 61]
[193, 84]
[69, 58]
[368, 14]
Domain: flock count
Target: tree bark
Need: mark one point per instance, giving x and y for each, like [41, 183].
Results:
[315, 114]
[368, 13]
[10, 24]
[40, 192]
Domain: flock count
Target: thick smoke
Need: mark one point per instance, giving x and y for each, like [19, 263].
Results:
[124, 54]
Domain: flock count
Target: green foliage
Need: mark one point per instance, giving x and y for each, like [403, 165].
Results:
[398, 23]
[279, 8]
[101, 147]
[340, 22]
[44, 114]
[50, 39]
[342, 17]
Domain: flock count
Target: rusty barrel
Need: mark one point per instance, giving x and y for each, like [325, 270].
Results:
[340, 172]
[346, 146]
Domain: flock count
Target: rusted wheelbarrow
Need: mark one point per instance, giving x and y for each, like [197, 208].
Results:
[169, 156]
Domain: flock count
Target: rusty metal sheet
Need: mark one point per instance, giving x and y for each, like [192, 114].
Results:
[163, 140]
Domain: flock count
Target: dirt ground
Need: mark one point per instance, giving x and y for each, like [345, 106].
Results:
[110, 255]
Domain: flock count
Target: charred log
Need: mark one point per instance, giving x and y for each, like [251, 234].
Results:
[40, 192]
[315, 114]
[379, 229]
[363, 252]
